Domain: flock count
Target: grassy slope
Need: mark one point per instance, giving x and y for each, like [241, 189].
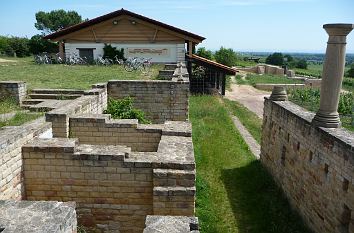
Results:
[8, 105]
[249, 119]
[234, 192]
[20, 118]
[63, 76]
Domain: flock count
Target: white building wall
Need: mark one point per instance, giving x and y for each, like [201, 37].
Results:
[159, 52]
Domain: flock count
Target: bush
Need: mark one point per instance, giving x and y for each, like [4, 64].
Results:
[275, 59]
[203, 52]
[226, 57]
[38, 45]
[123, 109]
[110, 52]
[301, 64]
[350, 72]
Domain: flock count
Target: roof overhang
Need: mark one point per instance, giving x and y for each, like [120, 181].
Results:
[188, 36]
[206, 62]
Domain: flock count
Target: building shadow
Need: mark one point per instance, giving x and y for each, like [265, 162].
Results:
[259, 206]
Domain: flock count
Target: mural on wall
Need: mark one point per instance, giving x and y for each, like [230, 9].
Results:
[148, 51]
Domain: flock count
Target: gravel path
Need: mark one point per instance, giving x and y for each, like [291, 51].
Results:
[250, 97]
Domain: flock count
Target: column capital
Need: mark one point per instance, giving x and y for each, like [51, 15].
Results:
[338, 29]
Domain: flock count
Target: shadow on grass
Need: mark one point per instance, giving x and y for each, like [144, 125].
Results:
[259, 206]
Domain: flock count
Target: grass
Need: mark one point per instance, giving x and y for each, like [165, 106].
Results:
[253, 79]
[249, 119]
[63, 76]
[8, 105]
[234, 192]
[20, 118]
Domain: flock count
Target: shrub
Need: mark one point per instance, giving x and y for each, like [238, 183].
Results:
[110, 52]
[123, 109]
[302, 64]
[226, 56]
[38, 45]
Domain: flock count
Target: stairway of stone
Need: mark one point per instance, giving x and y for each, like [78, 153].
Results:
[173, 192]
[45, 100]
[167, 72]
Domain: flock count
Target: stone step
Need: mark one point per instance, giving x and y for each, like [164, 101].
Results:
[32, 101]
[173, 178]
[54, 96]
[166, 74]
[34, 108]
[170, 66]
[58, 91]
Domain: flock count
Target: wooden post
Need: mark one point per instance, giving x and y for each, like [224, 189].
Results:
[190, 48]
[223, 76]
[61, 50]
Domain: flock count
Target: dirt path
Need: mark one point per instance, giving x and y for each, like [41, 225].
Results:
[249, 96]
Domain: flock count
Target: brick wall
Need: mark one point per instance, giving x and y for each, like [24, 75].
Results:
[160, 100]
[11, 140]
[94, 101]
[101, 130]
[314, 166]
[113, 187]
[14, 89]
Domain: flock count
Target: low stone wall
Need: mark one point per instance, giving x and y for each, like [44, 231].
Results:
[14, 89]
[11, 140]
[267, 69]
[101, 130]
[269, 86]
[40, 216]
[93, 101]
[115, 188]
[160, 100]
[314, 166]
[315, 83]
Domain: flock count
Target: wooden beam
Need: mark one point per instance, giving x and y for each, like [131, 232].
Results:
[154, 38]
[94, 34]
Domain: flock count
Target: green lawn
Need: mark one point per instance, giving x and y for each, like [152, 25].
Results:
[234, 192]
[252, 79]
[64, 76]
[249, 119]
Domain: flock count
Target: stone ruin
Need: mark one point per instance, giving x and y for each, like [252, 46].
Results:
[77, 167]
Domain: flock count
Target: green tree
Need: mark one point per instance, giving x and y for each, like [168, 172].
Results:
[275, 59]
[226, 56]
[302, 64]
[203, 52]
[55, 20]
[350, 72]
[38, 45]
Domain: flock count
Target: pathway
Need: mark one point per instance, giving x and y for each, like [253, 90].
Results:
[250, 97]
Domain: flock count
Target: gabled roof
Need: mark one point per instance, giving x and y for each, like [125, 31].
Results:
[202, 60]
[117, 13]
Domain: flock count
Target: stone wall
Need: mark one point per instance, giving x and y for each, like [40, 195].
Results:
[14, 89]
[93, 101]
[115, 188]
[11, 140]
[160, 100]
[314, 166]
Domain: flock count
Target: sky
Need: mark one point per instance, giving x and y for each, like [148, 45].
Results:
[244, 25]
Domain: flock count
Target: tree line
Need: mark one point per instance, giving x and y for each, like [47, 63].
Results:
[46, 22]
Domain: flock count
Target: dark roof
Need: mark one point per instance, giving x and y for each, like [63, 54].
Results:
[114, 14]
[203, 60]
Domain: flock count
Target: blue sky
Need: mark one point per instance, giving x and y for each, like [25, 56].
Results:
[244, 25]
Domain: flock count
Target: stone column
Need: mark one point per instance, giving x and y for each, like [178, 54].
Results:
[332, 75]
